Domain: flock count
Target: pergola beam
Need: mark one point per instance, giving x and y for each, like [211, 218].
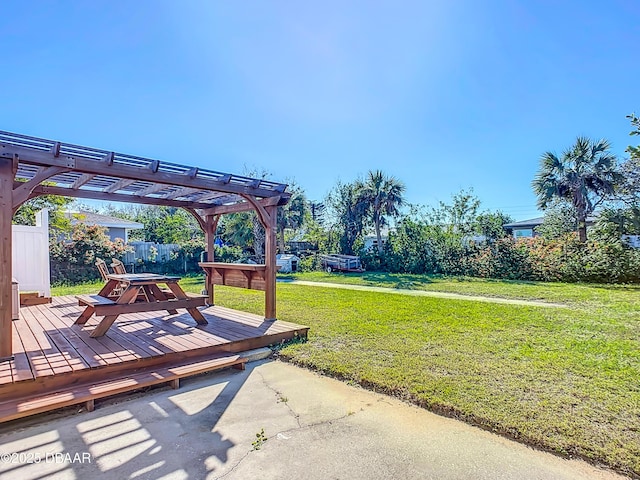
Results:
[149, 174]
[23, 192]
[154, 188]
[119, 185]
[214, 195]
[181, 193]
[82, 179]
[268, 217]
[270, 262]
[243, 207]
[115, 197]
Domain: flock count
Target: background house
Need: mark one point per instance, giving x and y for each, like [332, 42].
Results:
[371, 241]
[116, 227]
[527, 228]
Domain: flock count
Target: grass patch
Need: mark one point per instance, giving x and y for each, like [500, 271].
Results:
[572, 293]
[565, 380]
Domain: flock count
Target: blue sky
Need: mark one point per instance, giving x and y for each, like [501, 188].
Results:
[444, 95]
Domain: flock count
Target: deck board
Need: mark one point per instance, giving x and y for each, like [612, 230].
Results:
[109, 350]
[6, 373]
[20, 366]
[50, 352]
[58, 360]
[37, 359]
[90, 354]
[46, 313]
[64, 346]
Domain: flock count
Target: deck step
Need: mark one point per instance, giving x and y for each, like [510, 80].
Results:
[88, 393]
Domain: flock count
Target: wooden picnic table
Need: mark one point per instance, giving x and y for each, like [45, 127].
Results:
[140, 293]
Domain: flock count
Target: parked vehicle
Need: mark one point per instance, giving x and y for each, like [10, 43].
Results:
[341, 263]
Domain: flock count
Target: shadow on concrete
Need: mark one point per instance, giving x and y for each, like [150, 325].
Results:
[137, 436]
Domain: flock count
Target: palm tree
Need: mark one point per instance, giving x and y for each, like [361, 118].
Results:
[292, 215]
[383, 196]
[348, 213]
[584, 175]
[238, 229]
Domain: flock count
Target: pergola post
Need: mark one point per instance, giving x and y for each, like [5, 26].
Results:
[6, 215]
[211, 225]
[270, 263]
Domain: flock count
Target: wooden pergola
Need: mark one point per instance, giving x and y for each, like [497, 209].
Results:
[30, 167]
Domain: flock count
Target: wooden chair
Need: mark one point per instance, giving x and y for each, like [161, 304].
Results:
[104, 271]
[118, 267]
[102, 268]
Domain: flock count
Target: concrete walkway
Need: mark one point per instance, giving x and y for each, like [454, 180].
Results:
[425, 293]
[272, 421]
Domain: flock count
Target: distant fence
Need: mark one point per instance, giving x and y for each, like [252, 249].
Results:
[150, 252]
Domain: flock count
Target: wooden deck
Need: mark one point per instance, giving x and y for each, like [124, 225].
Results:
[53, 355]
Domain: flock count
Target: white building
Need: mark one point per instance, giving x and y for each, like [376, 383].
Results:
[288, 263]
[116, 227]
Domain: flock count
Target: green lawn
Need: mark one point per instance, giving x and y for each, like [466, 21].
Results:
[567, 380]
[571, 293]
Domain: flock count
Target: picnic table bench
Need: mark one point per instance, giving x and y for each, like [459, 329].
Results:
[140, 293]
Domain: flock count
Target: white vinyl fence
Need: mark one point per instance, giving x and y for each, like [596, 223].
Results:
[30, 255]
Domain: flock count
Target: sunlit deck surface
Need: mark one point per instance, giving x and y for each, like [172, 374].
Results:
[54, 355]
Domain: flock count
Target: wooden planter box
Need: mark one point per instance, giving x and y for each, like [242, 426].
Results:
[243, 275]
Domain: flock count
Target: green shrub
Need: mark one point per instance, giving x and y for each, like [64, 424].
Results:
[310, 263]
[73, 258]
[421, 249]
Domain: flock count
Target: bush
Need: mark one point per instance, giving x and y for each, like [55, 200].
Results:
[417, 249]
[73, 258]
[503, 258]
[373, 261]
[310, 263]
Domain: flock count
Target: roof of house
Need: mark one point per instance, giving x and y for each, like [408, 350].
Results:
[536, 222]
[91, 218]
[285, 257]
[533, 222]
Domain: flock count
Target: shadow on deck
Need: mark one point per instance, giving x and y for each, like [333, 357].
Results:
[54, 356]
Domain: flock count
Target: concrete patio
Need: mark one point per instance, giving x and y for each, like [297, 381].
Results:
[315, 428]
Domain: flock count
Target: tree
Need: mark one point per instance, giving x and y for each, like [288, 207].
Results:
[317, 211]
[559, 220]
[292, 215]
[491, 225]
[161, 224]
[630, 170]
[349, 214]
[585, 175]
[383, 196]
[614, 222]
[635, 122]
[460, 216]
[237, 229]
[26, 214]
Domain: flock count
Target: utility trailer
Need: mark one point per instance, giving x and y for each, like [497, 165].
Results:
[341, 263]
